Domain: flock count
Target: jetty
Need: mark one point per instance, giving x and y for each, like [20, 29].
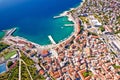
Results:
[69, 25]
[57, 16]
[51, 39]
[10, 32]
[61, 15]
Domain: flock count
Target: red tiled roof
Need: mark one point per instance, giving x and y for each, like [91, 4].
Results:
[51, 73]
[64, 70]
[76, 75]
[22, 42]
[81, 73]
[95, 36]
[44, 52]
[41, 72]
[87, 78]
[68, 78]
[56, 74]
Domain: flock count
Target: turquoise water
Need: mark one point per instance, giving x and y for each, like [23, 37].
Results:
[3, 68]
[1, 34]
[59, 32]
[34, 18]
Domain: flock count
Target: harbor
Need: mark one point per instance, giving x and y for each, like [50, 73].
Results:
[76, 26]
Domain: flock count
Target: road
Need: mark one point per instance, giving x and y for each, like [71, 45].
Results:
[19, 64]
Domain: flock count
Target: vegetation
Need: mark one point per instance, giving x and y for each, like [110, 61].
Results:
[24, 75]
[39, 77]
[117, 32]
[84, 19]
[81, 28]
[13, 75]
[118, 19]
[91, 33]
[26, 59]
[33, 71]
[30, 65]
[3, 46]
[14, 72]
[6, 51]
[114, 53]
[10, 63]
[98, 17]
[10, 54]
[118, 73]
[102, 28]
[106, 18]
[91, 56]
[10, 75]
[72, 11]
[4, 76]
[116, 67]
[88, 73]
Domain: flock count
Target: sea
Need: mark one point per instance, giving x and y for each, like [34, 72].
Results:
[34, 19]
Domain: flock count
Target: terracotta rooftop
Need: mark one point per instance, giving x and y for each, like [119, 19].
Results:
[44, 53]
[56, 75]
[22, 42]
[41, 72]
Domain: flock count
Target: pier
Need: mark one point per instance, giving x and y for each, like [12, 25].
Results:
[10, 32]
[61, 15]
[57, 16]
[51, 39]
[69, 25]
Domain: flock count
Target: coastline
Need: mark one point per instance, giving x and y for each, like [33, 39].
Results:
[90, 51]
[49, 46]
[70, 18]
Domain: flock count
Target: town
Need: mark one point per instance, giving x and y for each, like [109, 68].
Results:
[92, 52]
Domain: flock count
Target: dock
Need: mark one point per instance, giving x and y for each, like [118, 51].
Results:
[51, 39]
[57, 16]
[69, 25]
[61, 15]
[10, 32]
